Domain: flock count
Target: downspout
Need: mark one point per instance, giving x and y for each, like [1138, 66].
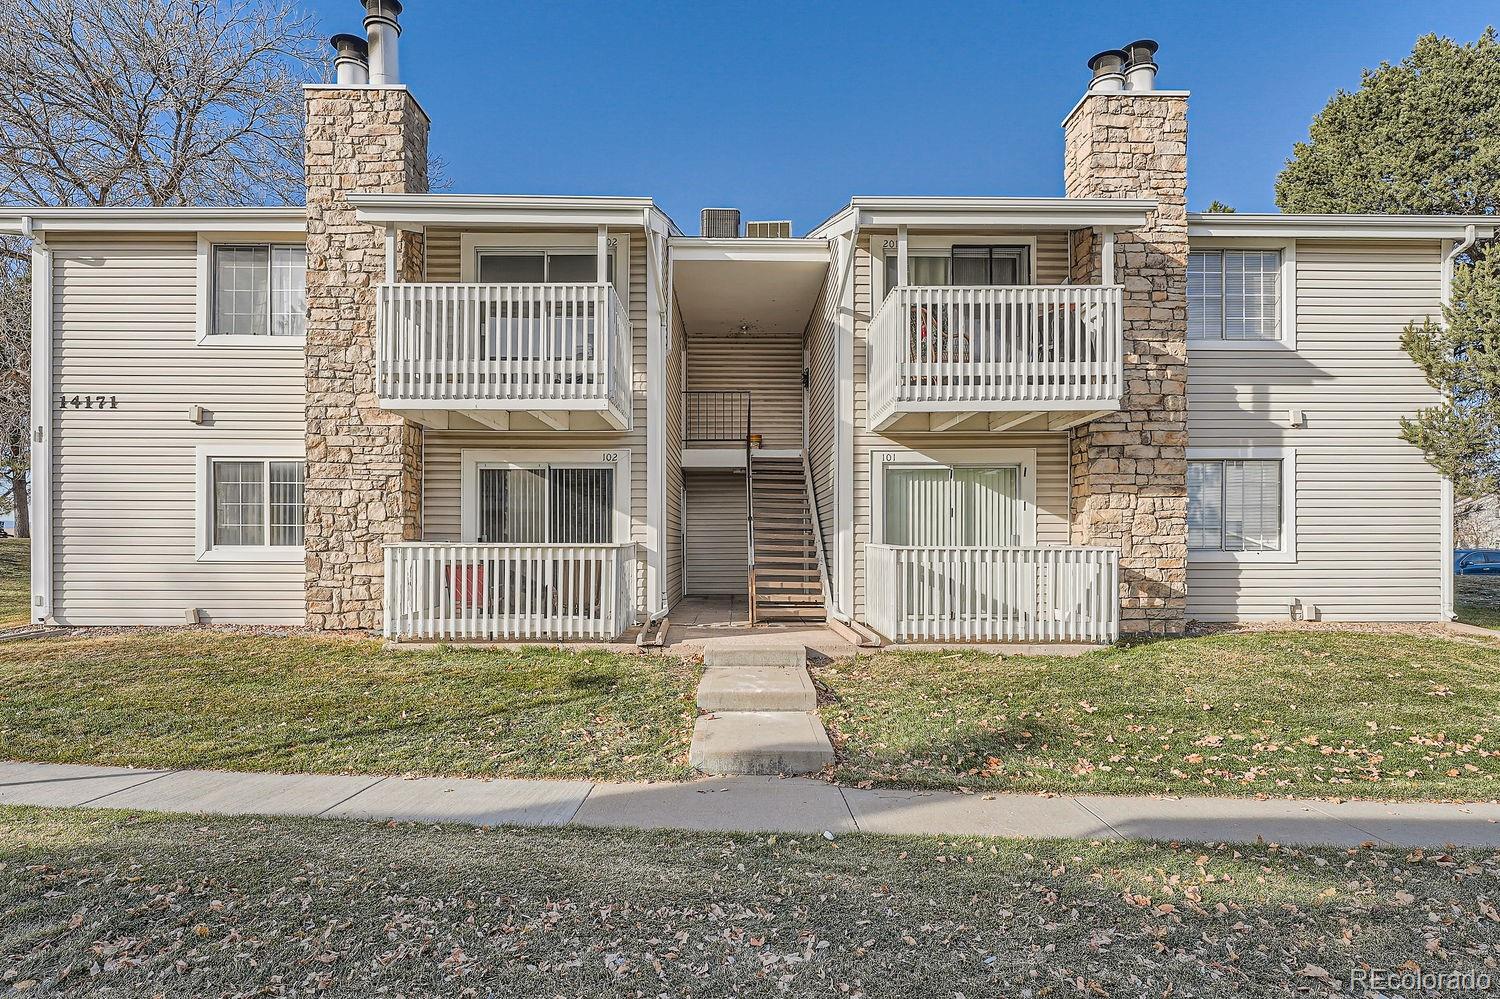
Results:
[40, 429]
[1447, 516]
[657, 302]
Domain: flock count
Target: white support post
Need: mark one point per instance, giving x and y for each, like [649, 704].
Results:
[844, 434]
[41, 431]
[603, 254]
[902, 272]
[1107, 258]
[390, 254]
[656, 416]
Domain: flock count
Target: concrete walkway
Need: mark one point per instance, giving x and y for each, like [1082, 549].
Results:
[752, 804]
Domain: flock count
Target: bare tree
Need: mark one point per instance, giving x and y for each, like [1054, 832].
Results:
[138, 102]
[153, 102]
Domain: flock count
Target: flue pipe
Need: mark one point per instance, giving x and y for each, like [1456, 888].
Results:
[383, 26]
[1109, 71]
[1140, 72]
[351, 66]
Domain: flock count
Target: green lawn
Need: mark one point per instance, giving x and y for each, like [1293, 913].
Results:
[1478, 600]
[15, 581]
[1310, 713]
[95, 903]
[205, 699]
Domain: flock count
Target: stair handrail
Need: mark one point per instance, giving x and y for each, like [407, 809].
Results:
[812, 511]
[749, 513]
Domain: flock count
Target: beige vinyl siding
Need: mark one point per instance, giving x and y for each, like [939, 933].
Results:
[442, 449]
[1368, 506]
[718, 551]
[124, 510]
[1051, 265]
[821, 403]
[672, 434]
[1052, 472]
[768, 366]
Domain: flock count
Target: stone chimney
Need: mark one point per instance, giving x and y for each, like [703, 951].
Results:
[363, 486]
[1130, 468]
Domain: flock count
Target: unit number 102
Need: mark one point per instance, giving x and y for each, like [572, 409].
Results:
[90, 402]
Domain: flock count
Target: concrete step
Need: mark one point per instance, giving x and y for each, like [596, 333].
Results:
[757, 688]
[760, 742]
[722, 653]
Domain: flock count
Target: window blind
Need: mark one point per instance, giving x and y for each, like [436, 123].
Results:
[1234, 505]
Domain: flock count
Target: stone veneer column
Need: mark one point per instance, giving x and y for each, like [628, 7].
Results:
[1130, 468]
[364, 465]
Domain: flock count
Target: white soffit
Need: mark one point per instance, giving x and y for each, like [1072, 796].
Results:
[1209, 224]
[990, 213]
[755, 285]
[148, 220]
[479, 210]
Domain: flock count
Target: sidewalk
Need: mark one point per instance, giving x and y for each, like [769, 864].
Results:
[752, 804]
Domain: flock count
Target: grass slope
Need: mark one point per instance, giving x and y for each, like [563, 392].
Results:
[95, 903]
[203, 699]
[1308, 713]
[15, 581]
[1478, 600]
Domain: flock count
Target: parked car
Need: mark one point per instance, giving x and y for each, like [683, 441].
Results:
[1477, 562]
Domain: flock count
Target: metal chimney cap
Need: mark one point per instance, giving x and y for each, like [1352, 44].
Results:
[383, 10]
[350, 46]
[1109, 61]
[1142, 52]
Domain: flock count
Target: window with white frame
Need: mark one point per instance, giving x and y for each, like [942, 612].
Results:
[546, 504]
[1235, 505]
[259, 290]
[941, 506]
[965, 266]
[541, 266]
[1234, 295]
[255, 503]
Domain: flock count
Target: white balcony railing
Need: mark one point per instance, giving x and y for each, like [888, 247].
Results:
[993, 594]
[510, 345]
[438, 591]
[1039, 347]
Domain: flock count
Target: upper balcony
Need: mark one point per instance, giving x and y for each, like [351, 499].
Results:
[1043, 357]
[556, 355]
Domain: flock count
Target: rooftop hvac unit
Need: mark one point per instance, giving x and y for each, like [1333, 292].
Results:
[720, 223]
[768, 230]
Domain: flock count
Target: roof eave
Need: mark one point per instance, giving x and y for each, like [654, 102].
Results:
[508, 210]
[1214, 224]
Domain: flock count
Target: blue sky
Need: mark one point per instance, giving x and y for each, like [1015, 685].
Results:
[785, 110]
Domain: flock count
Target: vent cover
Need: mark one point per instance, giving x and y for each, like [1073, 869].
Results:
[720, 223]
[768, 230]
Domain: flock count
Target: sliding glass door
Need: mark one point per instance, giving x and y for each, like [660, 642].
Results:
[966, 506]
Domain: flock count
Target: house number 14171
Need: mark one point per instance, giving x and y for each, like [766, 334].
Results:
[90, 402]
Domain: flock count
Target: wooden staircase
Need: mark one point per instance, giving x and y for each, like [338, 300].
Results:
[787, 586]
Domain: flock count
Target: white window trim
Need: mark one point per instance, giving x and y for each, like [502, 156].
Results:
[923, 245]
[205, 276]
[472, 459]
[883, 458]
[203, 504]
[471, 244]
[1288, 458]
[1286, 294]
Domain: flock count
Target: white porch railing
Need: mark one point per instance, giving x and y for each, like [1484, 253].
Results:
[993, 594]
[477, 592]
[502, 343]
[1057, 346]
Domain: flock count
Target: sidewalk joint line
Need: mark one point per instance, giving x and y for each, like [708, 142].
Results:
[1340, 819]
[581, 802]
[128, 787]
[351, 797]
[1107, 824]
[845, 799]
